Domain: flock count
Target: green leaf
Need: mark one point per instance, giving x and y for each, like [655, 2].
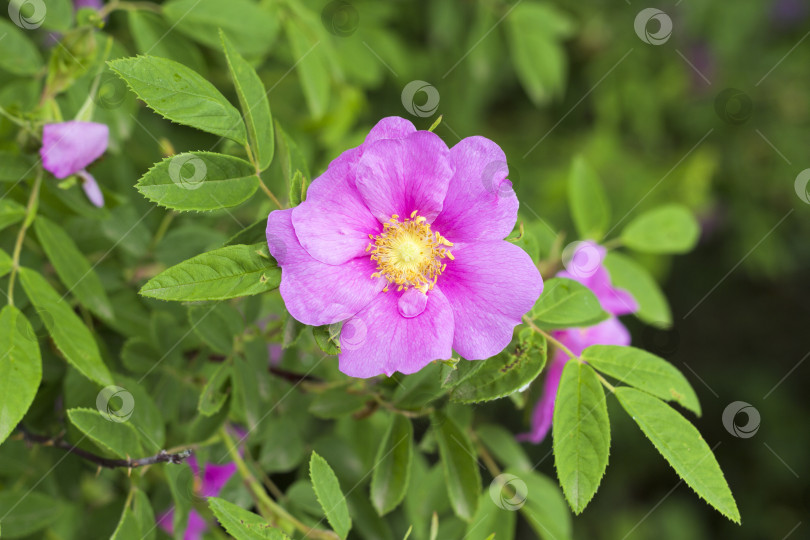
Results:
[298, 189]
[589, 204]
[69, 333]
[292, 160]
[213, 396]
[240, 523]
[5, 263]
[544, 508]
[154, 36]
[566, 303]
[128, 527]
[25, 512]
[330, 497]
[20, 368]
[246, 390]
[254, 233]
[337, 403]
[254, 103]
[310, 64]
[20, 56]
[181, 95]
[460, 465]
[501, 442]
[667, 229]
[535, 32]
[146, 416]
[118, 437]
[581, 431]
[491, 521]
[72, 267]
[682, 446]
[251, 28]
[392, 466]
[14, 166]
[220, 274]
[503, 374]
[217, 325]
[144, 515]
[199, 181]
[627, 274]
[10, 212]
[645, 371]
[328, 338]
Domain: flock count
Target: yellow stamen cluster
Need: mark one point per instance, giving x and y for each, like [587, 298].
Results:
[408, 253]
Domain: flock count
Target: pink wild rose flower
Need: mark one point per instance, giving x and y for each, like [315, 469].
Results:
[69, 147]
[585, 267]
[403, 239]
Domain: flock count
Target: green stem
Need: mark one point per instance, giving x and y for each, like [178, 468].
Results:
[129, 6]
[557, 343]
[259, 176]
[30, 211]
[269, 509]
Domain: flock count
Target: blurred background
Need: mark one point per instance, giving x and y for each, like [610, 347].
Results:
[704, 103]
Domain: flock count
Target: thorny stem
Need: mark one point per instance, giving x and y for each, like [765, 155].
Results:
[557, 343]
[30, 211]
[267, 506]
[161, 457]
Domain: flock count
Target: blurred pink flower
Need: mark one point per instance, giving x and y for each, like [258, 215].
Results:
[608, 332]
[213, 479]
[69, 147]
[403, 239]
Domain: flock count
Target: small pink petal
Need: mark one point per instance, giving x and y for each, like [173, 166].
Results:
[91, 189]
[412, 303]
[69, 147]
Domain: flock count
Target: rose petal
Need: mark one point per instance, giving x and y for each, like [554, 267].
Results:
[215, 477]
[333, 223]
[69, 147]
[490, 285]
[480, 202]
[91, 189]
[316, 293]
[398, 176]
[378, 340]
[390, 127]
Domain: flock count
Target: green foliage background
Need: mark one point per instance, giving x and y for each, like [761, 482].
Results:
[548, 81]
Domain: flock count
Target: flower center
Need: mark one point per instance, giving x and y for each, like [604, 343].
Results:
[408, 253]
